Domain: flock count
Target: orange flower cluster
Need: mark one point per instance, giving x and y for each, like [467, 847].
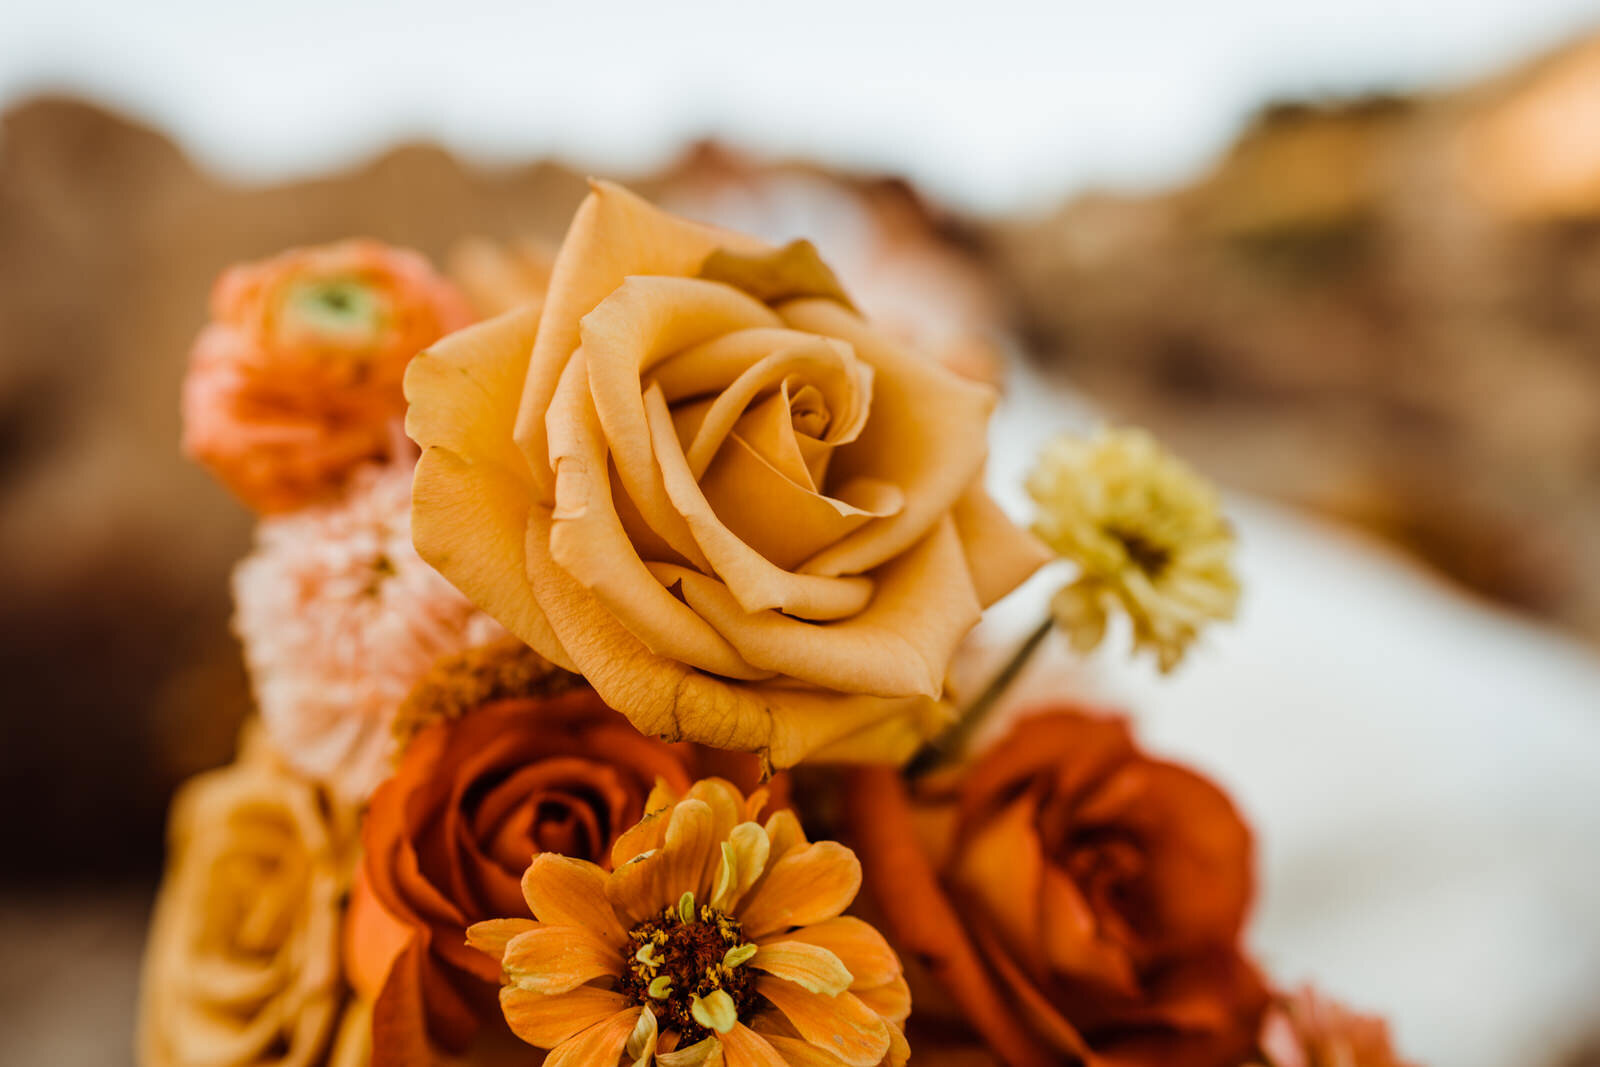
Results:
[296, 380]
[728, 525]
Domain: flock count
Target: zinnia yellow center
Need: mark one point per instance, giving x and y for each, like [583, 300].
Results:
[687, 966]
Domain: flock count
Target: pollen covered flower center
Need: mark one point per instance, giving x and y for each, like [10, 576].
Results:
[1144, 551]
[689, 967]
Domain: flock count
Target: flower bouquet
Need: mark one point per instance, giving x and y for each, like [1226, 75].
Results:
[601, 626]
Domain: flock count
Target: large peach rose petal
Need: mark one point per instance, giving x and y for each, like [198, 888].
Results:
[927, 434]
[614, 234]
[1000, 554]
[470, 497]
[787, 723]
[897, 646]
[587, 541]
[753, 580]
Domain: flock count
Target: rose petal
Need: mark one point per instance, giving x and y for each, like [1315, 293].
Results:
[900, 645]
[932, 459]
[614, 234]
[1000, 554]
[587, 540]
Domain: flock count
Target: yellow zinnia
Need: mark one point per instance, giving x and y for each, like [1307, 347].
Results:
[716, 939]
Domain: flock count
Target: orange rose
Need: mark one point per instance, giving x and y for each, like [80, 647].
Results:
[1307, 1029]
[697, 476]
[449, 835]
[296, 380]
[1079, 901]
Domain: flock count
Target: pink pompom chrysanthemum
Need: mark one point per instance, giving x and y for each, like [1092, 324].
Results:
[339, 618]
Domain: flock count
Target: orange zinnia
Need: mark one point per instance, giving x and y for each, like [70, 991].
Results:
[715, 939]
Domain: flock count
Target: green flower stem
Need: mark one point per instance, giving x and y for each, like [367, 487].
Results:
[953, 741]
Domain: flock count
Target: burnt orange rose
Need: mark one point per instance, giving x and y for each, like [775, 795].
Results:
[449, 835]
[1078, 900]
[296, 379]
[1307, 1029]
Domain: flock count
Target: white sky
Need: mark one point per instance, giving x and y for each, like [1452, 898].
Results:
[992, 104]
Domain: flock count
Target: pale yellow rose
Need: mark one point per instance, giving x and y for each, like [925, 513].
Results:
[698, 477]
[242, 965]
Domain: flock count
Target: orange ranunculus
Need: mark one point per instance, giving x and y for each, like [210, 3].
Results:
[1079, 901]
[297, 378]
[698, 477]
[448, 836]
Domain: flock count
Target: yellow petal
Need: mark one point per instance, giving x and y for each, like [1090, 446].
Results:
[806, 885]
[613, 235]
[860, 948]
[548, 1021]
[842, 1024]
[798, 1052]
[745, 855]
[892, 1000]
[927, 434]
[704, 1053]
[554, 959]
[686, 859]
[810, 967]
[601, 1044]
[564, 891]
[743, 1047]
[490, 936]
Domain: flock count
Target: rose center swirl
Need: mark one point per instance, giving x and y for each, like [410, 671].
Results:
[688, 966]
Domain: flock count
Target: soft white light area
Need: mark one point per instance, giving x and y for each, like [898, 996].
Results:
[991, 105]
[1420, 767]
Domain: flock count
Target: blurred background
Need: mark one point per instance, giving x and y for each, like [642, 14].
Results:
[1346, 259]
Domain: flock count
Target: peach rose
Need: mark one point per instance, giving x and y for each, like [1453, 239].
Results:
[242, 964]
[297, 378]
[448, 836]
[699, 478]
[1078, 900]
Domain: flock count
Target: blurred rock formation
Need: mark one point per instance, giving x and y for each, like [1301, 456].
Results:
[1386, 310]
